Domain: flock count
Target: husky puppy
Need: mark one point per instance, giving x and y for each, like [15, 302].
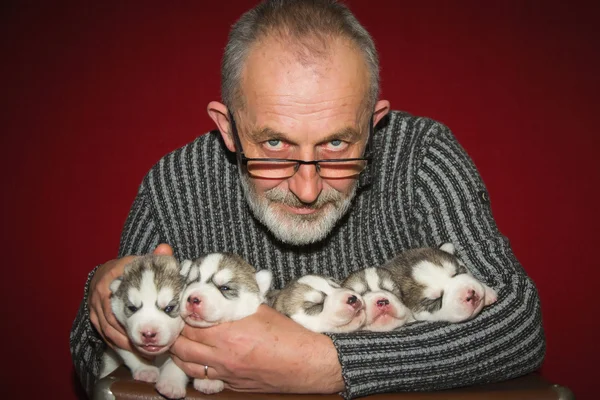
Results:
[383, 308]
[436, 285]
[220, 287]
[320, 304]
[145, 300]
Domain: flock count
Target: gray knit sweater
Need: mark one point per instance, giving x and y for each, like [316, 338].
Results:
[421, 189]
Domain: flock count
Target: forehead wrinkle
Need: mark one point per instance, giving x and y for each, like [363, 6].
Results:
[309, 102]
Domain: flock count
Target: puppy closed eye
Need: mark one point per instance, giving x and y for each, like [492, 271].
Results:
[432, 305]
[312, 308]
[460, 270]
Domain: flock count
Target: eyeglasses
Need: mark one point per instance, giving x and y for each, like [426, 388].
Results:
[283, 168]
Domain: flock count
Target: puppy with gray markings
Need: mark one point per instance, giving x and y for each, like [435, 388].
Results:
[220, 287]
[383, 308]
[436, 285]
[320, 304]
[146, 301]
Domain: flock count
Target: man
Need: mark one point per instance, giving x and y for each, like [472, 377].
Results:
[300, 82]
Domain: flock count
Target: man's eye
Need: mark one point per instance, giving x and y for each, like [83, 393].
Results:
[336, 145]
[274, 144]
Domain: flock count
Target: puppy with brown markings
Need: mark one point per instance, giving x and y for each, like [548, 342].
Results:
[436, 285]
[320, 304]
[383, 307]
[145, 300]
[220, 287]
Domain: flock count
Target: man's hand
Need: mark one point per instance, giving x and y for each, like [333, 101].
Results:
[265, 352]
[101, 314]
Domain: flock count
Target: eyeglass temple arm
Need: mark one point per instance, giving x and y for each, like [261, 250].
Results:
[236, 138]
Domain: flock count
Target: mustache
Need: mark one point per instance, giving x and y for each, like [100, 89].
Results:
[286, 197]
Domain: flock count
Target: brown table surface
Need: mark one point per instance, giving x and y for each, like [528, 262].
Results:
[120, 385]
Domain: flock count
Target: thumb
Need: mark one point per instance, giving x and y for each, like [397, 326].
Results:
[163, 249]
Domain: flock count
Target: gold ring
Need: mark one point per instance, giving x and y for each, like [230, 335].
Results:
[206, 372]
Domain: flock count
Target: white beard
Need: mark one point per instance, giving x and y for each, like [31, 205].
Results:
[297, 229]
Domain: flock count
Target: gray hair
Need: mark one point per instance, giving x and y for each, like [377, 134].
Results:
[304, 21]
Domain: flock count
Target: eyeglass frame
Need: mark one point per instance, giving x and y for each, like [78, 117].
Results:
[244, 160]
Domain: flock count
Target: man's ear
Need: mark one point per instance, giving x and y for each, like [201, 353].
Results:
[382, 108]
[219, 113]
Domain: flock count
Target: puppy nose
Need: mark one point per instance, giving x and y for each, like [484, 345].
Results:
[193, 300]
[354, 302]
[472, 296]
[149, 336]
[382, 302]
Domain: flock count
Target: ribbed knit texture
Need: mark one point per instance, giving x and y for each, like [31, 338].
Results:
[424, 190]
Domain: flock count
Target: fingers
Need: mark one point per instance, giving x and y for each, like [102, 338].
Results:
[115, 337]
[163, 249]
[101, 315]
[197, 371]
[202, 335]
[191, 351]
[113, 329]
[192, 356]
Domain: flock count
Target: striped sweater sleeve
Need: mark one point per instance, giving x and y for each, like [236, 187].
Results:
[87, 347]
[506, 340]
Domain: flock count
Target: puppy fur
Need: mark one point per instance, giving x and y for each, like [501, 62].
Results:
[436, 285]
[383, 307]
[220, 287]
[146, 301]
[320, 304]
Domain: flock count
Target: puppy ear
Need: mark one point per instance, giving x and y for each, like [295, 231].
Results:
[271, 297]
[189, 271]
[448, 248]
[490, 295]
[114, 285]
[264, 277]
[185, 267]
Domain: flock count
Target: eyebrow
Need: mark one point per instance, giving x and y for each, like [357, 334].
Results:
[347, 134]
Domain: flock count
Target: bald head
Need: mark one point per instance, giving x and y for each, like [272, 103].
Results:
[306, 29]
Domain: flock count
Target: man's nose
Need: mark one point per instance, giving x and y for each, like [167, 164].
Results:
[306, 183]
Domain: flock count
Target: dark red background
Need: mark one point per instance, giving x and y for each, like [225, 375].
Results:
[94, 94]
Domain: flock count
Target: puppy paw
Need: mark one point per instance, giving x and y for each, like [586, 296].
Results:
[490, 295]
[146, 373]
[208, 386]
[170, 389]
